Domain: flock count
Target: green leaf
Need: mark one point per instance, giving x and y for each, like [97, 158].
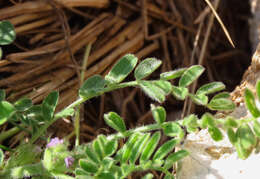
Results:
[35, 113]
[2, 156]
[111, 147]
[172, 129]
[215, 133]
[146, 165]
[150, 147]
[166, 148]
[250, 103]
[99, 147]
[115, 121]
[93, 86]
[177, 156]
[221, 104]
[138, 147]
[165, 86]
[106, 175]
[191, 122]
[7, 33]
[92, 155]
[242, 152]
[258, 88]
[246, 137]
[168, 176]
[152, 90]
[6, 111]
[2, 95]
[121, 69]
[79, 172]
[170, 75]
[231, 136]
[210, 88]
[128, 147]
[207, 120]
[190, 75]
[231, 122]
[107, 163]
[180, 92]
[159, 114]
[126, 169]
[221, 95]
[146, 67]
[256, 127]
[23, 104]
[49, 104]
[199, 99]
[65, 113]
[148, 176]
[88, 166]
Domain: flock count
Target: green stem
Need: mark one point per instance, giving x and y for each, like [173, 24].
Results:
[6, 134]
[75, 104]
[6, 148]
[78, 108]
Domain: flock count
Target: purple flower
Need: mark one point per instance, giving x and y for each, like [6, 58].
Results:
[55, 141]
[69, 161]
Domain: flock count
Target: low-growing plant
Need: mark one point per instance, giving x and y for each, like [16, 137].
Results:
[104, 157]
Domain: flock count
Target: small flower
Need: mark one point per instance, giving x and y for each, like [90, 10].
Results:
[69, 161]
[55, 141]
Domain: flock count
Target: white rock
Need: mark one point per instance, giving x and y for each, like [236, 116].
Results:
[215, 160]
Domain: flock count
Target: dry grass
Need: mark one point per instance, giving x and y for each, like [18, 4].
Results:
[52, 36]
